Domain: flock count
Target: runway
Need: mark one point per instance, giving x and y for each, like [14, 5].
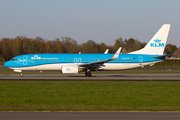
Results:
[89, 115]
[94, 77]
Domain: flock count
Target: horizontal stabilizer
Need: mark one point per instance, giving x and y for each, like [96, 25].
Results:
[163, 55]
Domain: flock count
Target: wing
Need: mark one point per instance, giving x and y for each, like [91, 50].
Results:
[95, 65]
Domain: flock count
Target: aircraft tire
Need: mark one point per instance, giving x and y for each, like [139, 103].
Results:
[88, 74]
[21, 74]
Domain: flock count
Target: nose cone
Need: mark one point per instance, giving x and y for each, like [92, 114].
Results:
[7, 64]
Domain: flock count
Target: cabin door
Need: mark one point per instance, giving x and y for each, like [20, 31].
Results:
[140, 60]
[25, 60]
[77, 60]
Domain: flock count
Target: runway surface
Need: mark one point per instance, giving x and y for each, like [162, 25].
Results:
[89, 115]
[105, 77]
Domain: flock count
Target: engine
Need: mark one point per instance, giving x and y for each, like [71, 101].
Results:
[69, 69]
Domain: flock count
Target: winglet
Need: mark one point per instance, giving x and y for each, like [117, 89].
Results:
[116, 54]
[106, 52]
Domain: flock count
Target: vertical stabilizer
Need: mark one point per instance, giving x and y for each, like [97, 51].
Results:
[157, 44]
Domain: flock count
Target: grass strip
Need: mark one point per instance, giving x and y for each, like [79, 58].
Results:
[89, 96]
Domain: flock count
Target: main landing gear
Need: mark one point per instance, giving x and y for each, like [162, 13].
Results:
[88, 73]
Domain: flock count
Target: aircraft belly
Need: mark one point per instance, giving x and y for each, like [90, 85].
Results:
[124, 66]
[117, 66]
[48, 67]
[43, 67]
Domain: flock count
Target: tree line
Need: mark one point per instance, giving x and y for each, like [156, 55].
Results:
[11, 47]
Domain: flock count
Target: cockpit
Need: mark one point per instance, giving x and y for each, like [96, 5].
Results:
[14, 59]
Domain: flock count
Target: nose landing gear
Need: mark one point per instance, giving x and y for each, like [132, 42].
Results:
[21, 74]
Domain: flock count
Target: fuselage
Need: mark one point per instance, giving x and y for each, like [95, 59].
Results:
[56, 61]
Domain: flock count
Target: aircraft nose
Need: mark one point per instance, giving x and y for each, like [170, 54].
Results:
[7, 64]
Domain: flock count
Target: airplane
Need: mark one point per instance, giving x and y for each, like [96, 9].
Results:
[74, 63]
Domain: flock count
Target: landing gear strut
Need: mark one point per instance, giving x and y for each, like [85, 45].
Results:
[88, 73]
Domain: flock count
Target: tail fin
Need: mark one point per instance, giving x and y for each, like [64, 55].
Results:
[157, 44]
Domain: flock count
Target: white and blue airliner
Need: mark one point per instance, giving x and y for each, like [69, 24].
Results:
[75, 63]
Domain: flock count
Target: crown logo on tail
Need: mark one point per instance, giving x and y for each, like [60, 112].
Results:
[157, 40]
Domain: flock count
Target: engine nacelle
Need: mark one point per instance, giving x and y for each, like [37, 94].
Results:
[69, 69]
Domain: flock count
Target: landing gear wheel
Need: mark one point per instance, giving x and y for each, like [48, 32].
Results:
[21, 74]
[88, 74]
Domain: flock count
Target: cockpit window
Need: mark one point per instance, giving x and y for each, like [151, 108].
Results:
[14, 59]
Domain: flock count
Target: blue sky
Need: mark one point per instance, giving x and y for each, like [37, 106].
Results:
[82, 20]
